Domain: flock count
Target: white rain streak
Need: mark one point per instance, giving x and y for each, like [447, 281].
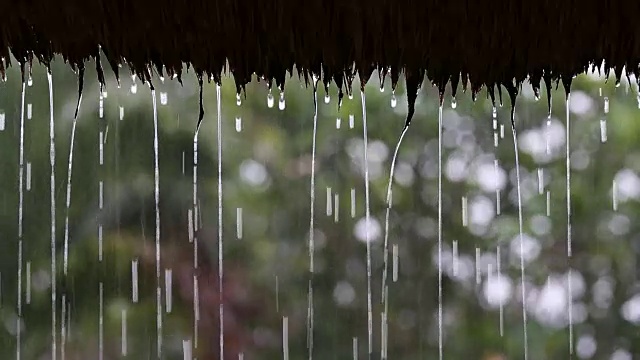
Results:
[285, 338]
[497, 171]
[238, 123]
[190, 224]
[548, 203]
[312, 200]
[338, 123]
[454, 255]
[501, 131]
[29, 111]
[156, 192]
[395, 259]
[134, 281]
[121, 111]
[327, 99]
[101, 323]
[186, 350]
[183, 163]
[329, 204]
[354, 347]
[239, 223]
[353, 202]
[238, 99]
[52, 184]
[569, 242]
[101, 146]
[520, 237]
[2, 120]
[368, 223]
[220, 239]
[63, 327]
[440, 318]
[336, 205]
[384, 338]
[196, 310]
[28, 185]
[606, 105]
[241, 356]
[495, 139]
[547, 133]
[352, 121]
[478, 270]
[163, 98]
[614, 195]
[277, 294]
[27, 284]
[168, 290]
[65, 253]
[603, 131]
[540, 181]
[123, 333]
[465, 211]
[570, 310]
[20, 229]
[394, 100]
[101, 105]
[281, 101]
[501, 304]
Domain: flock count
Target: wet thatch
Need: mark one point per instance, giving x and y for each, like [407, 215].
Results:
[482, 42]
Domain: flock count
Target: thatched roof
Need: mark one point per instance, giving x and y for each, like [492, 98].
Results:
[487, 42]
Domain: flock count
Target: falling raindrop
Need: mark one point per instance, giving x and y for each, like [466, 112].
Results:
[134, 281]
[352, 121]
[2, 120]
[27, 284]
[285, 338]
[327, 99]
[540, 181]
[394, 101]
[603, 131]
[121, 112]
[454, 256]
[465, 216]
[220, 238]
[163, 98]
[156, 193]
[20, 226]
[238, 124]
[338, 122]
[454, 103]
[568, 170]
[440, 314]
[238, 99]
[336, 204]
[281, 102]
[395, 262]
[168, 296]
[329, 205]
[28, 185]
[312, 199]
[101, 106]
[501, 302]
[30, 81]
[134, 88]
[123, 333]
[478, 270]
[614, 195]
[353, 202]
[606, 105]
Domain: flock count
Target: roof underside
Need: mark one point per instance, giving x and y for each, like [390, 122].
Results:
[483, 42]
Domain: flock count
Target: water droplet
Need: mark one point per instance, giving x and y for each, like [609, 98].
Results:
[281, 102]
[29, 111]
[30, 81]
[382, 87]
[394, 101]
[327, 98]
[163, 98]
[134, 88]
[606, 105]
[352, 121]
[105, 94]
[2, 121]
[238, 99]
[238, 123]
[270, 100]
[454, 103]
[338, 123]
[121, 112]
[350, 96]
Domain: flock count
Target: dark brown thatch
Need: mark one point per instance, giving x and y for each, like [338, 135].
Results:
[488, 42]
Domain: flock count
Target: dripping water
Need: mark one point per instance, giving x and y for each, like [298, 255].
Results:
[569, 240]
[312, 199]
[220, 239]
[440, 318]
[156, 193]
[520, 232]
[52, 162]
[20, 227]
[368, 222]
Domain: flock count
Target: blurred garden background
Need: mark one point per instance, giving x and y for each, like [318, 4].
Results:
[266, 168]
